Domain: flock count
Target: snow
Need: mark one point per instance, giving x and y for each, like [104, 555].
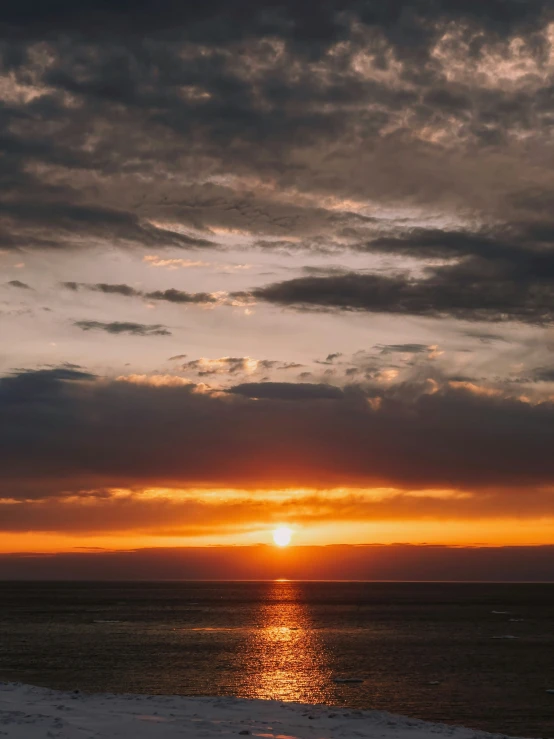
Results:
[28, 712]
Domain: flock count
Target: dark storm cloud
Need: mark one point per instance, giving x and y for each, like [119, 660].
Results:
[287, 391]
[124, 327]
[171, 295]
[88, 434]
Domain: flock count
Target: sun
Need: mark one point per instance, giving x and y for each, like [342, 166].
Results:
[282, 536]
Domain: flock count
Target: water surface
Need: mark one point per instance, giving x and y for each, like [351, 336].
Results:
[425, 650]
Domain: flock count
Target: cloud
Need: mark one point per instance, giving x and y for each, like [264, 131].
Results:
[156, 261]
[217, 22]
[290, 365]
[31, 218]
[412, 139]
[468, 290]
[38, 380]
[485, 337]
[543, 374]
[403, 348]
[227, 126]
[421, 435]
[180, 296]
[286, 391]
[125, 290]
[174, 512]
[171, 295]
[205, 366]
[19, 284]
[124, 327]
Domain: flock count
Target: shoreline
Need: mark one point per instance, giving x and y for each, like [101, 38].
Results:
[29, 712]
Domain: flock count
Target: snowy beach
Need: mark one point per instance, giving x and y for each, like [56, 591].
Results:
[28, 712]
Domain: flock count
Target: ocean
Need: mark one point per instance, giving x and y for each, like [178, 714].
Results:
[435, 651]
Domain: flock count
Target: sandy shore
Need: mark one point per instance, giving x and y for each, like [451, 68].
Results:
[27, 712]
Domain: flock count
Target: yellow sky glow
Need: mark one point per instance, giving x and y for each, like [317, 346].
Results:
[455, 533]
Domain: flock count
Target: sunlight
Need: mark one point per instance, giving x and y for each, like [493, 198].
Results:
[282, 536]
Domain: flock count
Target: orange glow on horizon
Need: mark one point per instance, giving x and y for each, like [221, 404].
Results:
[497, 532]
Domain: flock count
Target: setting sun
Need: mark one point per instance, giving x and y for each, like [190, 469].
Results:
[282, 536]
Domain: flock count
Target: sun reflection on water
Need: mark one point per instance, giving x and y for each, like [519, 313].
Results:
[284, 658]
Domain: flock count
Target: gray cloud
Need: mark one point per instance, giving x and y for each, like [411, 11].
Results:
[543, 374]
[468, 291]
[125, 290]
[30, 219]
[364, 436]
[290, 366]
[287, 391]
[210, 112]
[497, 275]
[485, 337]
[287, 20]
[171, 295]
[124, 327]
[403, 348]
[180, 296]
[19, 284]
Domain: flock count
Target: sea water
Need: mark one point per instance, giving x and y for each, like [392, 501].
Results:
[436, 651]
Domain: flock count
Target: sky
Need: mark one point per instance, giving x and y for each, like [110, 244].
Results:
[268, 262]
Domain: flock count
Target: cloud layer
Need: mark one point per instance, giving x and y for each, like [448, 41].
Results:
[477, 450]
[263, 246]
